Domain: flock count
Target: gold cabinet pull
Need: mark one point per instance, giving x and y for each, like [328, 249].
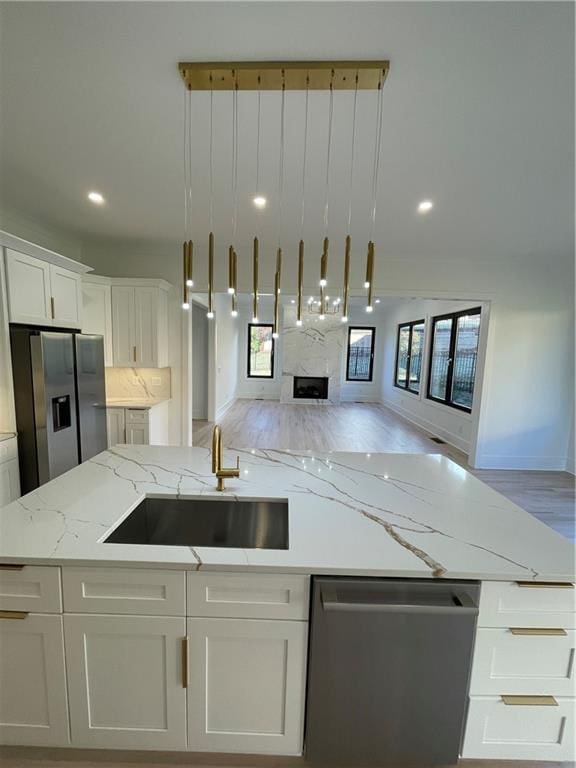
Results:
[551, 631]
[529, 701]
[134, 353]
[185, 660]
[13, 614]
[10, 567]
[545, 584]
[52, 307]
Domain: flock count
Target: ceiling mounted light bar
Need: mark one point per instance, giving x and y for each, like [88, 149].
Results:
[292, 75]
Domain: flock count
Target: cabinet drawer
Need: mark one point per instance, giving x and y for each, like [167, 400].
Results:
[498, 730]
[136, 415]
[250, 596]
[8, 450]
[124, 590]
[523, 663]
[527, 604]
[34, 588]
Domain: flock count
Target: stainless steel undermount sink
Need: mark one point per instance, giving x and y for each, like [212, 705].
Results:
[207, 522]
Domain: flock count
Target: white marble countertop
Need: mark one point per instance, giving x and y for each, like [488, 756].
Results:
[408, 515]
[7, 436]
[135, 402]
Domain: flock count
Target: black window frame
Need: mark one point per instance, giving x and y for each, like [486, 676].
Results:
[351, 328]
[249, 339]
[454, 316]
[405, 387]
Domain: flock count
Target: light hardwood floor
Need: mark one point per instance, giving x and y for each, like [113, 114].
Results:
[371, 427]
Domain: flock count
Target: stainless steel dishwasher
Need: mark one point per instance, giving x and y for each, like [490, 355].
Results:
[389, 669]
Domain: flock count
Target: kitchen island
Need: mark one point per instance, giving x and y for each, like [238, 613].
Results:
[221, 632]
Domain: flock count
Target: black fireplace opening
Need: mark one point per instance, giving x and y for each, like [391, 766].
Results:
[311, 387]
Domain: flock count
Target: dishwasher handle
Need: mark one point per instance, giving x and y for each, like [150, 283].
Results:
[330, 602]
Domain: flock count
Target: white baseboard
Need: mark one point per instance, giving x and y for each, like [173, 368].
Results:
[259, 396]
[429, 426]
[571, 465]
[220, 413]
[543, 463]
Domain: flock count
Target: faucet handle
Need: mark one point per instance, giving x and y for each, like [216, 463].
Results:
[238, 462]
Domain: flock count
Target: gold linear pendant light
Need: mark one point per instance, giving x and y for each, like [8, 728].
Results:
[278, 76]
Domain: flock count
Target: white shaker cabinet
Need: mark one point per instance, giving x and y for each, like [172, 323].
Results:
[138, 426]
[33, 702]
[40, 293]
[126, 681]
[115, 425]
[29, 293]
[247, 685]
[97, 311]
[140, 325]
[9, 471]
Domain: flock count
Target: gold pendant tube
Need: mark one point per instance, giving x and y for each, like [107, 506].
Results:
[210, 312]
[346, 279]
[255, 278]
[300, 281]
[324, 264]
[185, 304]
[231, 270]
[322, 303]
[279, 265]
[276, 305]
[234, 282]
[367, 280]
[190, 265]
[370, 274]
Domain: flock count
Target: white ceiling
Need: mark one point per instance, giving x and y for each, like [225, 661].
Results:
[478, 117]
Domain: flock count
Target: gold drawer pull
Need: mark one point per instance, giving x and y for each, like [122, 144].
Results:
[13, 614]
[185, 660]
[529, 701]
[545, 584]
[549, 631]
[10, 567]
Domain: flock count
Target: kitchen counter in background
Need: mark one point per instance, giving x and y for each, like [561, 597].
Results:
[6, 436]
[392, 515]
[135, 402]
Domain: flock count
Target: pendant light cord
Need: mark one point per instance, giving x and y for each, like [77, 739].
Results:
[211, 213]
[328, 151]
[352, 147]
[376, 168]
[186, 165]
[281, 161]
[304, 159]
[234, 162]
[257, 190]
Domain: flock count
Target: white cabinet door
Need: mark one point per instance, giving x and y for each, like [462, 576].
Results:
[97, 315]
[33, 704]
[116, 426]
[125, 681]
[137, 434]
[28, 289]
[123, 332]
[247, 685]
[146, 326]
[9, 481]
[66, 297]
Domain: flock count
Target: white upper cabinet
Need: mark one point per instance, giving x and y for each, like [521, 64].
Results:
[97, 312]
[140, 325]
[28, 289]
[40, 293]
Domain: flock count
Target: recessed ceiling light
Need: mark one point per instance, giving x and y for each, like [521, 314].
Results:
[96, 198]
[259, 201]
[425, 206]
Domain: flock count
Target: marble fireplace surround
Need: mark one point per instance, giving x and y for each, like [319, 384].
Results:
[313, 349]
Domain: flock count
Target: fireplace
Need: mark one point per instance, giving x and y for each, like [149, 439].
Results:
[311, 387]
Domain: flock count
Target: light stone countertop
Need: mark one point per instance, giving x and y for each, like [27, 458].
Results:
[404, 515]
[135, 402]
[6, 436]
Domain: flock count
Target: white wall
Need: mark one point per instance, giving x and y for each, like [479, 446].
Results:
[226, 336]
[200, 362]
[454, 426]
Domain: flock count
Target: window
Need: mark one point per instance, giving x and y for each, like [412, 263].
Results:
[260, 351]
[360, 359]
[409, 350]
[454, 350]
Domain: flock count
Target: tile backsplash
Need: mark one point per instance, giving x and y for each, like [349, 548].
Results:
[138, 383]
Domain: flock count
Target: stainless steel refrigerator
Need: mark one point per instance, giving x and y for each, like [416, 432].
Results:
[60, 401]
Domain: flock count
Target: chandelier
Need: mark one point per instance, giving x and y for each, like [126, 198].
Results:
[281, 77]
